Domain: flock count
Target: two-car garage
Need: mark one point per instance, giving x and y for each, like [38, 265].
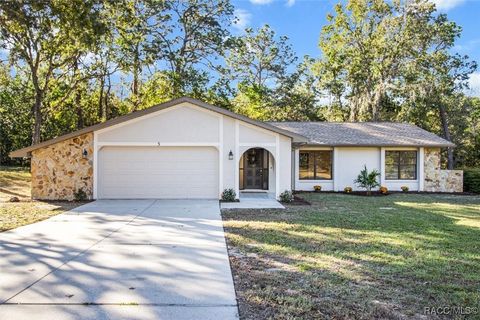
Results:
[138, 172]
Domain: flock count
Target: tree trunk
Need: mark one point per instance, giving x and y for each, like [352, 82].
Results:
[178, 89]
[78, 103]
[376, 104]
[107, 99]
[101, 109]
[135, 81]
[354, 110]
[37, 115]
[37, 107]
[136, 78]
[78, 98]
[446, 135]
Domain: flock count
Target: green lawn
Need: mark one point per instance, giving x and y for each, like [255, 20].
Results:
[16, 182]
[354, 257]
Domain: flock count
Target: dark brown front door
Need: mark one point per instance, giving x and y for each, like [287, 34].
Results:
[253, 169]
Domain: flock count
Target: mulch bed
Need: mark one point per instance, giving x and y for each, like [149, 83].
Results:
[365, 194]
[298, 201]
[378, 194]
[353, 193]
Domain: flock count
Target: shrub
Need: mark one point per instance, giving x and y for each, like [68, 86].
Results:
[229, 195]
[317, 188]
[383, 190]
[367, 180]
[348, 189]
[404, 188]
[286, 196]
[471, 180]
[80, 195]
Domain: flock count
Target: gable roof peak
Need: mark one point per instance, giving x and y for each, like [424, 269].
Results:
[24, 152]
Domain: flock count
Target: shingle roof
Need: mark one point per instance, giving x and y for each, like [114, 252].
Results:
[364, 134]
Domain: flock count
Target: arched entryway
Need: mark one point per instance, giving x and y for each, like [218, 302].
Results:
[256, 171]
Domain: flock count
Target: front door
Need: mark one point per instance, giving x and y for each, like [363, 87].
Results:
[253, 169]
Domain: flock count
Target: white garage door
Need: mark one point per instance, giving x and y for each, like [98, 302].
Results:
[158, 172]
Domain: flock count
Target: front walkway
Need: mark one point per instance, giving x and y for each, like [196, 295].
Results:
[254, 200]
[119, 259]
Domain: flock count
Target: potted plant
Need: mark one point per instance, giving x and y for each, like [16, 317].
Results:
[317, 188]
[368, 180]
[383, 190]
[404, 188]
[348, 189]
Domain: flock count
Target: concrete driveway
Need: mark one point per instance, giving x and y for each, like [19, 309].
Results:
[119, 259]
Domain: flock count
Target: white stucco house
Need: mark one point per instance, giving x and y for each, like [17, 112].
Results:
[186, 148]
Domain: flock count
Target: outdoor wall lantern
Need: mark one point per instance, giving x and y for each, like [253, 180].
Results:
[230, 155]
[85, 153]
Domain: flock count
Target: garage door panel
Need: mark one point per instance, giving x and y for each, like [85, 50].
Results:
[158, 172]
[166, 193]
[173, 179]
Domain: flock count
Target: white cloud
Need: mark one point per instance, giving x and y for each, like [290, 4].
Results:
[468, 46]
[474, 83]
[290, 3]
[261, 2]
[445, 5]
[243, 19]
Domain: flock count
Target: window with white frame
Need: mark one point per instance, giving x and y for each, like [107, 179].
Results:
[315, 165]
[401, 165]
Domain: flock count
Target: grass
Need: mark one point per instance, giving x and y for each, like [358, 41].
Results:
[16, 182]
[352, 257]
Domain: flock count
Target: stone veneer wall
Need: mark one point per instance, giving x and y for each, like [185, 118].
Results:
[60, 170]
[438, 180]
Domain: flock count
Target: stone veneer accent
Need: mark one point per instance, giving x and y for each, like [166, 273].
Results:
[438, 180]
[60, 170]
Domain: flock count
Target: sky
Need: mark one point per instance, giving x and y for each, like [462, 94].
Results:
[302, 20]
